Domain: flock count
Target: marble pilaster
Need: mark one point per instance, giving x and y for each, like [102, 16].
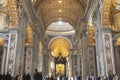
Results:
[45, 62]
[74, 63]
[19, 68]
[40, 62]
[108, 51]
[117, 60]
[40, 57]
[28, 59]
[69, 67]
[99, 52]
[35, 52]
[21, 54]
[104, 50]
[12, 51]
[4, 60]
[85, 64]
[100, 59]
[79, 62]
[92, 60]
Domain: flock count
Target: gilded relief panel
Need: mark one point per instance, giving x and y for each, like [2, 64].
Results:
[110, 14]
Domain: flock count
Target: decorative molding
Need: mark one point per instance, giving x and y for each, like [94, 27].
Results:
[83, 23]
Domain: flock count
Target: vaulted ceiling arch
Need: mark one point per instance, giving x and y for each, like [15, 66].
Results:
[53, 10]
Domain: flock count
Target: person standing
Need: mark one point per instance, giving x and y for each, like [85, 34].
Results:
[28, 77]
[8, 77]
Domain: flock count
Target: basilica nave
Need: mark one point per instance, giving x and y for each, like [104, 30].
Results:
[60, 37]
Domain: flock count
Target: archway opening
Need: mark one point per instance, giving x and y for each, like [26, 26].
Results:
[60, 46]
[60, 28]
[60, 50]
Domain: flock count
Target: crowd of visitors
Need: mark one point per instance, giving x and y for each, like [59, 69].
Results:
[38, 76]
[110, 77]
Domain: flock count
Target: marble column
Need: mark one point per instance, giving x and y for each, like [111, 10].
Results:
[28, 59]
[70, 65]
[35, 52]
[19, 68]
[46, 63]
[40, 62]
[51, 65]
[117, 59]
[23, 21]
[85, 63]
[79, 62]
[100, 58]
[92, 60]
[12, 51]
[4, 60]
[40, 57]
[32, 52]
[104, 51]
[74, 63]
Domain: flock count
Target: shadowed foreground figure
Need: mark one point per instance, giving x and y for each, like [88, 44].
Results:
[37, 75]
[8, 77]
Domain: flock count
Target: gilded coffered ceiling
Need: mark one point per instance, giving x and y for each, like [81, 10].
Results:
[60, 10]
